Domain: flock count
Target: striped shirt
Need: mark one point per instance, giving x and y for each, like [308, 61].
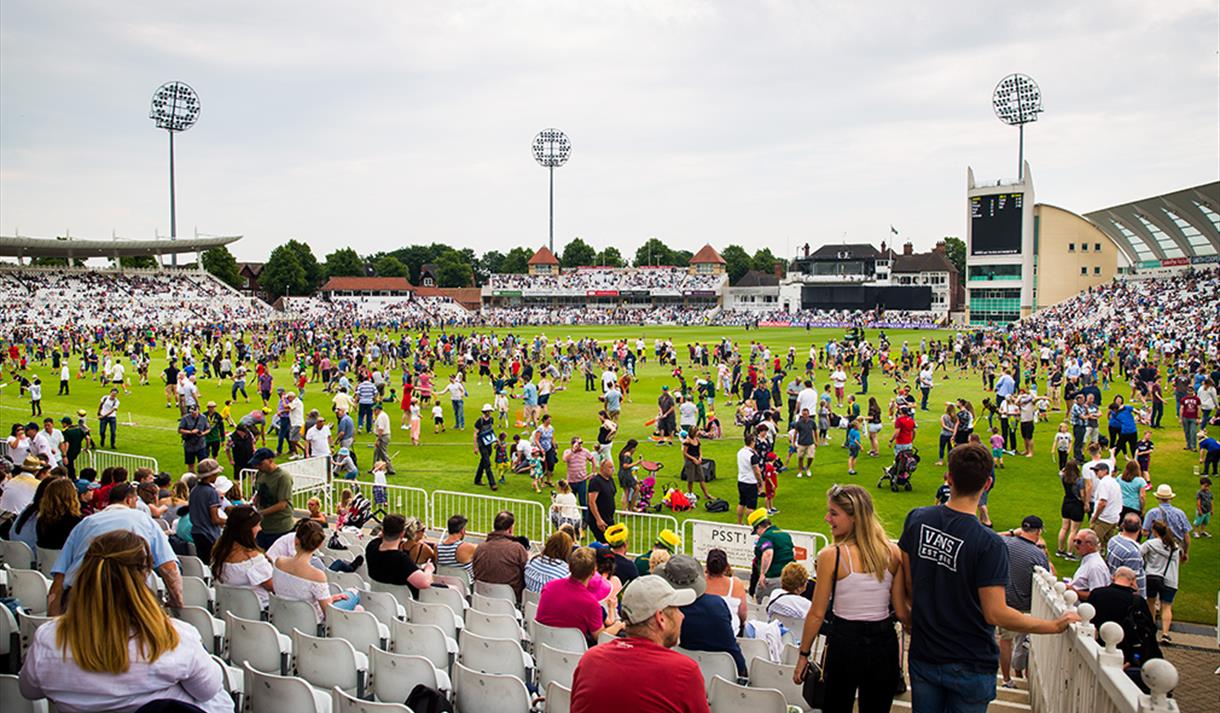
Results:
[1172, 516]
[446, 556]
[1122, 552]
[366, 393]
[540, 570]
[1023, 556]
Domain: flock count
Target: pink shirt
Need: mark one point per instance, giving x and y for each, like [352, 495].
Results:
[579, 463]
[568, 603]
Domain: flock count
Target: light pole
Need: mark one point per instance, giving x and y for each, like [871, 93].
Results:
[1017, 100]
[551, 150]
[175, 107]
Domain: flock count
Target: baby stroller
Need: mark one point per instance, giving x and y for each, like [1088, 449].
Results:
[647, 487]
[899, 474]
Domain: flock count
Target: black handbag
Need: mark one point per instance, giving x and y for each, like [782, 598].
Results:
[813, 689]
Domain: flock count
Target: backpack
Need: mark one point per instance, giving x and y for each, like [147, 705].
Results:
[1139, 642]
[717, 505]
[427, 700]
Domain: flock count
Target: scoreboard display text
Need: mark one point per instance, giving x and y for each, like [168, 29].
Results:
[995, 224]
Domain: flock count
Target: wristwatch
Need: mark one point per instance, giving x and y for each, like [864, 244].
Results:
[806, 654]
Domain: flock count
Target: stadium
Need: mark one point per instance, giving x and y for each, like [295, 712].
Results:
[697, 474]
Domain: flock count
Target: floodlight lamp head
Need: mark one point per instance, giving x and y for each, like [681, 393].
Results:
[175, 106]
[1017, 100]
[551, 148]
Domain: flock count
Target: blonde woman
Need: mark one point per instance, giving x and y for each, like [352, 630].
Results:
[863, 569]
[58, 513]
[116, 649]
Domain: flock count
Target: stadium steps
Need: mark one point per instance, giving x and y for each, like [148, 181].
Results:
[1007, 700]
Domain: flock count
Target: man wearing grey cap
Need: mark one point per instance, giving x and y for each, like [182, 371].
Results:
[1024, 553]
[707, 624]
[640, 672]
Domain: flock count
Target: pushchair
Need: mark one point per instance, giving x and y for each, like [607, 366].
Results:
[899, 474]
[647, 487]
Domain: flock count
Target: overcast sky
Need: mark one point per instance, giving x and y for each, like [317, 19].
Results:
[379, 124]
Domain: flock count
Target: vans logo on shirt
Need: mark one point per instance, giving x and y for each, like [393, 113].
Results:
[939, 547]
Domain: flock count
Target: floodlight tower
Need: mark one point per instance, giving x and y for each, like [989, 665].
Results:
[175, 107]
[1017, 100]
[551, 150]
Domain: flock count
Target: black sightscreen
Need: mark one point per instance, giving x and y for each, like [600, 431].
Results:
[835, 297]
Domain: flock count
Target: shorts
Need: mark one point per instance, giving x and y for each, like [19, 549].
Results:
[1203, 520]
[544, 399]
[626, 480]
[1158, 590]
[666, 426]
[550, 458]
[747, 495]
[874, 428]
[439, 420]
[770, 484]
[853, 450]
[804, 451]
[1008, 634]
[692, 472]
[294, 434]
[1072, 510]
[997, 452]
[193, 457]
[1027, 430]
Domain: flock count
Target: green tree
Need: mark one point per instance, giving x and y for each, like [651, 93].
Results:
[680, 258]
[142, 262]
[454, 270]
[221, 263]
[284, 275]
[491, 263]
[736, 262]
[55, 262]
[344, 262]
[764, 261]
[654, 252]
[309, 263]
[517, 261]
[390, 266]
[955, 250]
[610, 257]
[577, 253]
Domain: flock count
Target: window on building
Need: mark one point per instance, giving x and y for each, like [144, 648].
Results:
[1084, 270]
[1097, 247]
[1071, 247]
[1097, 270]
[1084, 247]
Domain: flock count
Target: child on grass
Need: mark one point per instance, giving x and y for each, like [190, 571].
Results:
[997, 447]
[1143, 453]
[438, 418]
[415, 423]
[502, 456]
[853, 446]
[770, 473]
[1203, 508]
[1063, 444]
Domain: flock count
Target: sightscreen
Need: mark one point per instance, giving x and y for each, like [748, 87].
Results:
[915, 298]
[995, 224]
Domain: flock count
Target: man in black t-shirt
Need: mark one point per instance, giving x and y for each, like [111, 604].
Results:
[388, 561]
[484, 441]
[600, 514]
[956, 572]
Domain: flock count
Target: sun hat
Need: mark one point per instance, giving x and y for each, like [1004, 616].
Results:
[487, 407]
[669, 540]
[223, 484]
[207, 468]
[756, 517]
[598, 587]
[684, 572]
[647, 595]
[616, 534]
[1164, 492]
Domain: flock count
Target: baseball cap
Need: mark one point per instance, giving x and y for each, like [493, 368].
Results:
[616, 534]
[65, 419]
[1101, 465]
[259, 456]
[684, 572]
[1031, 522]
[649, 594]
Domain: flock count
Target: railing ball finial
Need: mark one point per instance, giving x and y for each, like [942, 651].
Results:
[1112, 634]
[1060, 587]
[1087, 612]
[1070, 598]
[1160, 676]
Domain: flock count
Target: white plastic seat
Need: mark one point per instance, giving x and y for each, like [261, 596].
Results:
[602, 638]
[359, 628]
[793, 626]
[458, 573]
[477, 692]
[46, 559]
[257, 643]
[233, 680]
[527, 596]
[438, 614]
[211, 629]
[343, 703]
[269, 693]
[27, 624]
[427, 640]
[287, 615]
[400, 592]
[16, 554]
[558, 698]
[330, 662]
[450, 597]
[494, 626]
[346, 580]
[712, 664]
[192, 566]
[753, 648]
[727, 697]
[493, 605]
[395, 675]
[382, 605]
[31, 588]
[766, 674]
[197, 593]
[529, 612]
[792, 652]
[10, 693]
[496, 591]
[10, 637]
[239, 601]
[562, 638]
[555, 665]
[502, 656]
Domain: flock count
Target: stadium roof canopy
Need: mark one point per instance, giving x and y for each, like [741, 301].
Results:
[1182, 224]
[76, 248]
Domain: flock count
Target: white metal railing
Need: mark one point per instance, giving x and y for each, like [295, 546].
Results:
[643, 528]
[481, 510]
[100, 460]
[401, 499]
[310, 479]
[1071, 672]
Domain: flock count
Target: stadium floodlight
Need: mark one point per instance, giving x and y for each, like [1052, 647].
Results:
[551, 150]
[1017, 101]
[175, 107]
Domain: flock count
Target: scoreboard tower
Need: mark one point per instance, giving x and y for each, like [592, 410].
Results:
[1001, 250]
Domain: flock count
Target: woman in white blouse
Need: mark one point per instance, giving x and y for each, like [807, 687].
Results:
[236, 559]
[115, 649]
[297, 578]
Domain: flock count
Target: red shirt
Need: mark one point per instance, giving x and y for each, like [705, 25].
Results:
[639, 676]
[1190, 406]
[904, 430]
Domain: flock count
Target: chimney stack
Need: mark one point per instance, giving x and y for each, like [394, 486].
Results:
[779, 270]
[908, 248]
[940, 247]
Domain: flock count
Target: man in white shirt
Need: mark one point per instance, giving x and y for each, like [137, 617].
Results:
[381, 429]
[838, 377]
[118, 376]
[43, 445]
[807, 399]
[317, 439]
[1088, 471]
[1093, 572]
[749, 478]
[65, 378]
[1109, 498]
[108, 416]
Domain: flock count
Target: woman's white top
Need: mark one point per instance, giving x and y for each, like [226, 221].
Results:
[249, 574]
[290, 586]
[860, 597]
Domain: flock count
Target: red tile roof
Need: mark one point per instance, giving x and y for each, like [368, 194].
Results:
[544, 256]
[706, 254]
[377, 284]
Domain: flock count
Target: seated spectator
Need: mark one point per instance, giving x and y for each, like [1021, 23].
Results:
[24, 528]
[639, 672]
[116, 649]
[389, 559]
[58, 513]
[707, 624]
[571, 602]
[297, 578]
[420, 550]
[790, 599]
[236, 559]
[454, 551]
[501, 559]
[722, 583]
[551, 563]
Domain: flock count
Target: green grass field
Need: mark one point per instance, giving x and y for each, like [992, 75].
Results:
[1025, 486]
